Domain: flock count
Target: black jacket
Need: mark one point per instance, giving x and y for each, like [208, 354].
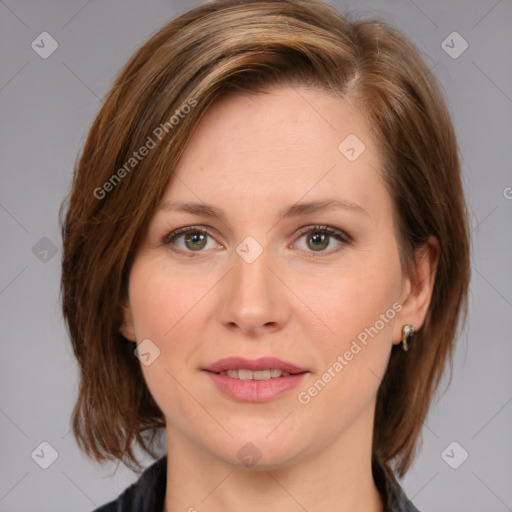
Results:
[148, 492]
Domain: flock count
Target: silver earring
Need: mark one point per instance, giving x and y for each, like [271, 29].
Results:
[407, 331]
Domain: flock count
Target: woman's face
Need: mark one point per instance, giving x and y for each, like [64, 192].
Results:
[270, 275]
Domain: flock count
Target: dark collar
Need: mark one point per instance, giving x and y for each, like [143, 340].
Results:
[392, 493]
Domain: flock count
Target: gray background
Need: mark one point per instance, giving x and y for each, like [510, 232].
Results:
[46, 107]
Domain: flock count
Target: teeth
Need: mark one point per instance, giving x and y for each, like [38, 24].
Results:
[243, 374]
[261, 375]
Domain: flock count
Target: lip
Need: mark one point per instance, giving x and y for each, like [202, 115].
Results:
[263, 363]
[255, 391]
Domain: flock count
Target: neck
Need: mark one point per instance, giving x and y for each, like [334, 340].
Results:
[337, 477]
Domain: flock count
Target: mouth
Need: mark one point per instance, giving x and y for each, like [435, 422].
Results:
[244, 374]
[264, 368]
[254, 380]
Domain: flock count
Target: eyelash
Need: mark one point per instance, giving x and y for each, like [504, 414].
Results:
[341, 236]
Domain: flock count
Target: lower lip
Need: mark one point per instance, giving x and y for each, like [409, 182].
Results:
[255, 390]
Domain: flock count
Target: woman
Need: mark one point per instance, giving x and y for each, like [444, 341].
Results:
[266, 254]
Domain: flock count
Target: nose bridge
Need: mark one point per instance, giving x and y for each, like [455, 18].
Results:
[253, 298]
[251, 266]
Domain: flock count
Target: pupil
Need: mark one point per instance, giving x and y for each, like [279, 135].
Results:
[195, 239]
[319, 240]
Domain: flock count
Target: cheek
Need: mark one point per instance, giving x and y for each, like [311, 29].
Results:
[162, 299]
[353, 299]
[162, 308]
[359, 305]
[354, 360]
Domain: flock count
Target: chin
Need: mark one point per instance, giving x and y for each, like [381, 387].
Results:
[257, 451]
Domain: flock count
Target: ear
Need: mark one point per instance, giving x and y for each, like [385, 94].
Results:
[417, 288]
[127, 328]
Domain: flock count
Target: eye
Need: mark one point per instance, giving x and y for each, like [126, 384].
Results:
[319, 238]
[194, 238]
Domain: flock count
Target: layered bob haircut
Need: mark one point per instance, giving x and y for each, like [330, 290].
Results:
[157, 101]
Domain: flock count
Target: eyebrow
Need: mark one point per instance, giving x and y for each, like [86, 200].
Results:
[295, 210]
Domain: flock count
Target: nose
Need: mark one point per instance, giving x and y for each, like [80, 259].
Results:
[253, 299]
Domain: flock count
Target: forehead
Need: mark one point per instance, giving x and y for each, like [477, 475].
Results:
[278, 146]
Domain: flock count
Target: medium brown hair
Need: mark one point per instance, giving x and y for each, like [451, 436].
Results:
[248, 46]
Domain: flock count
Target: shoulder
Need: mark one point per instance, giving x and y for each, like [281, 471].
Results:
[145, 495]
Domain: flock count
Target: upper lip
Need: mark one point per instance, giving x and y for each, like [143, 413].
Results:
[263, 363]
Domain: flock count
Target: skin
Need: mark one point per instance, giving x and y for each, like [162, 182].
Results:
[253, 156]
